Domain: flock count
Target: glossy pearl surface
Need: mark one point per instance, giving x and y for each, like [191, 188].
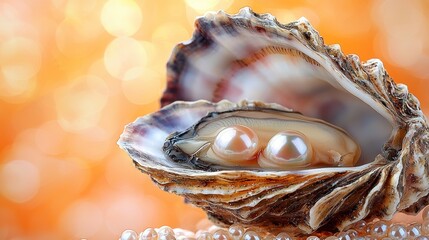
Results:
[148, 234]
[288, 147]
[379, 229]
[128, 235]
[236, 231]
[414, 230]
[283, 236]
[221, 234]
[236, 143]
[397, 231]
[251, 235]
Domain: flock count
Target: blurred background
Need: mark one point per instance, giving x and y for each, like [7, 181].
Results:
[74, 72]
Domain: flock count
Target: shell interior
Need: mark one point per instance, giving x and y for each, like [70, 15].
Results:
[326, 140]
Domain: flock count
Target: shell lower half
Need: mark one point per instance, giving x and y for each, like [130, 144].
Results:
[251, 56]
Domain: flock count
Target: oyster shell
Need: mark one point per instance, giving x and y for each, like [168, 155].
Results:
[252, 56]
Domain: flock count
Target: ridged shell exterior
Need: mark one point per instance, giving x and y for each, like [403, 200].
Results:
[326, 199]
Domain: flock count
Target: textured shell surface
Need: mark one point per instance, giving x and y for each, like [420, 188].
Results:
[231, 58]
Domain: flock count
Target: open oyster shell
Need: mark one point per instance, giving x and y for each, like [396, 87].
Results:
[251, 56]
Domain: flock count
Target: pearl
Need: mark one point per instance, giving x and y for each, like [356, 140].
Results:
[166, 237]
[344, 236]
[183, 234]
[236, 231]
[221, 234]
[204, 235]
[128, 235]
[421, 238]
[397, 231]
[379, 229]
[313, 238]
[236, 143]
[361, 226]
[148, 234]
[165, 230]
[283, 236]
[414, 230]
[166, 233]
[288, 148]
[352, 233]
[251, 235]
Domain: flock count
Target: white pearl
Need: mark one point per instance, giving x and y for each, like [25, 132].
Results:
[128, 235]
[236, 143]
[397, 231]
[283, 236]
[287, 149]
[148, 234]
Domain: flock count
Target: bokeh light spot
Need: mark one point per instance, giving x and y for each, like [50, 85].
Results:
[95, 136]
[122, 55]
[142, 86]
[82, 219]
[77, 37]
[403, 51]
[79, 104]
[202, 6]
[59, 4]
[121, 17]
[61, 171]
[19, 181]
[196, 8]
[80, 8]
[403, 34]
[8, 222]
[167, 35]
[130, 211]
[20, 61]
[50, 138]
[152, 54]
[170, 32]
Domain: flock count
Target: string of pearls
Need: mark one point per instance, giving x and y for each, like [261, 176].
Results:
[359, 231]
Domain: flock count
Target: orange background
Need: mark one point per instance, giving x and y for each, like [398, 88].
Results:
[74, 72]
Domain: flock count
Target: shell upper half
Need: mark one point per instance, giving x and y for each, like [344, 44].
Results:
[360, 140]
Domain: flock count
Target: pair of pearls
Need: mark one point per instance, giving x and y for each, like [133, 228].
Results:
[239, 144]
